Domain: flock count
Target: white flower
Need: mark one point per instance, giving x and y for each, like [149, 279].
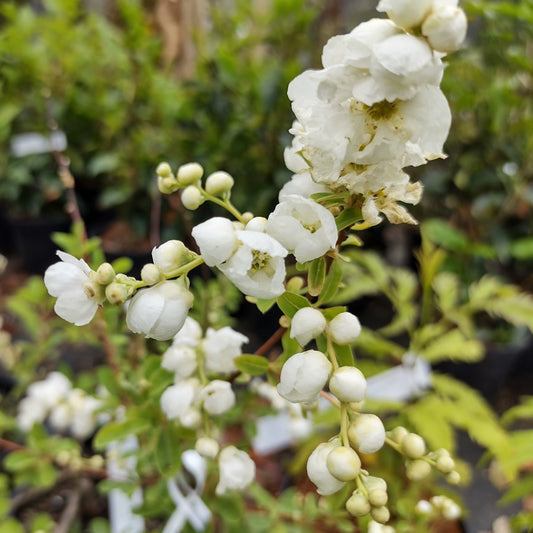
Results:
[30, 411]
[178, 399]
[50, 391]
[348, 384]
[236, 468]
[406, 13]
[306, 324]
[216, 239]
[318, 471]
[181, 360]
[207, 447]
[168, 256]
[445, 27]
[303, 376]
[218, 397]
[189, 335]
[376, 527]
[220, 347]
[304, 227]
[77, 296]
[160, 311]
[302, 185]
[344, 328]
[366, 433]
[257, 268]
[84, 418]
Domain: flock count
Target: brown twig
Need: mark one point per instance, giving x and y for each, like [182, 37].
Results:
[10, 446]
[73, 506]
[271, 342]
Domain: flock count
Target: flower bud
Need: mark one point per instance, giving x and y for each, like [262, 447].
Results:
[358, 504]
[170, 255]
[105, 274]
[343, 463]
[116, 293]
[257, 224]
[398, 433]
[318, 471]
[163, 170]
[348, 384]
[307, 323]
[207, 447]
[247, 216]
[167, 185]
[218, 397]
[189, 174]
[219, 183]
[150, 274]
[366, 433]
[445, 464]
[378, 498]
[453, 478]
[344, 328]
[380, 514]
[413, 446]
[237, 470]
[303, 376]
[417, 470]
[374, 483]
[295, 284]
[191, 418]
[192, 198]
[406, 13]
[445, 28]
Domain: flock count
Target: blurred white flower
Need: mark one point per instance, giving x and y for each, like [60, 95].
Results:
[303, 376]
[70, 282]
[218, 397]
[237, 470]
[177, 399]
[181, 360]
[303, 226]
[220, 347]
[189, 335]
[160, 311]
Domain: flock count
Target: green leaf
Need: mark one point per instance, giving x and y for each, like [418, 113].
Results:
[522, 249]
[99, 525]
[447, 288]
[316, 276]
[521, 488]
[347, 218]
[255, 365]
[344, 355]
[443, 234]
[167, 452]
[20, 460]
[11, 526]
[453, 346]
[265, 305]
[290, 303]
[116, 431]
[331, 283]
[122, 265]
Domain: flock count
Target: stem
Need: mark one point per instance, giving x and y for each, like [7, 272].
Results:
[271, 342]
[344, 425]
[330, 398]
[109, 349]
[226, 204]
[331, 353]
[185, 269]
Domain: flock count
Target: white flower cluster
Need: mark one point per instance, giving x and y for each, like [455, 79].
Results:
[376, 106]
[439, 506]
[67, 409]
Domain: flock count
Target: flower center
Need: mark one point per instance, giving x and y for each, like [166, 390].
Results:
[259, 260]
[383, 110]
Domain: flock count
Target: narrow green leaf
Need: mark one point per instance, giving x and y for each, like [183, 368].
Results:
[344, 355]
[290, 302]
[316, 276]
[116, 431]
[20, 460]
[167, 452]
[331, 312]
[255, 365]
[347, 218]
[331, 283]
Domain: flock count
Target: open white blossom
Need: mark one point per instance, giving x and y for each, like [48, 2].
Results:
[318, 471]
[160, 311]
[189, 335]
[257, 268]
[177, 399]
[237, 470]
[70, 282]
[303, 227]
[218, 397]
[220, 347]
[216, 239]
[181, 360]
[303, 376]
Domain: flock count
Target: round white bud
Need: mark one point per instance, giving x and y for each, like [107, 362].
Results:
[378, 498]
[170, 255]
[343, 463]
[453, 478]
[375, 483]
[417, 470]
[318, 471]
[445, 464]
[306, 324]
[163, 170]
[190, 173]
[207, 447]
[406, 13]
[150, 274]
[358, 504]
[348, 384]
[413, 446]
[380, 514]
[398, 433]
[366, 433]
[167, 185]
[116, 293]
[445, 28]
[219, 183]
[247, 216]
[257, 224]
[105, 274]
[344, 328]
[192, 198]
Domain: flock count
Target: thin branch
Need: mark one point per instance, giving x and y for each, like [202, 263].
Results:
[271, 342]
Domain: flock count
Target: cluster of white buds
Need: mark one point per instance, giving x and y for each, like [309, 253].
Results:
[67, 409]
[438, 506]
